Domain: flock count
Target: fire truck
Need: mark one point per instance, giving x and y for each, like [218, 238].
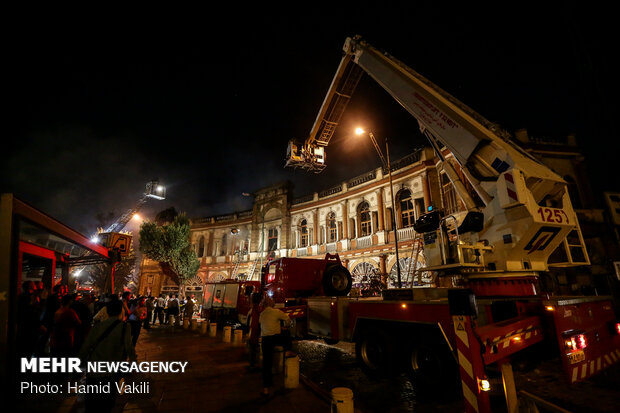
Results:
[229, 301]
[488, 306]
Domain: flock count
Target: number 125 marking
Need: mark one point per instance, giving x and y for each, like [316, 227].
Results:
[553, 215]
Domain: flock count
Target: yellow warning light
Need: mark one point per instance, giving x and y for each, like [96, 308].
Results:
[403, 305]
[549, 308]
[516, 338]
[484, 385]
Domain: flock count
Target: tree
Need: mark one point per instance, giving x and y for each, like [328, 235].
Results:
[168, 243]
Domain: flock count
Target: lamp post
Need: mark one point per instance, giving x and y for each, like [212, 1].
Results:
[386, 164]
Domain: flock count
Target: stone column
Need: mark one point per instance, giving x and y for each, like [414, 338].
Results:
[381, 208]
[383, 269]
[345, 219]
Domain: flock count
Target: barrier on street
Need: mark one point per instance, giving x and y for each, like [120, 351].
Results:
[238, 337]
[226, 335]
[342, 400]
[291, 372]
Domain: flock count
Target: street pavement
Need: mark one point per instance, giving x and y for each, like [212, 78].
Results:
[216, 379]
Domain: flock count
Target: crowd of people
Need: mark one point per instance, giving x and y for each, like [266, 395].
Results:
[94, 328]
[107, 327]
[57, 323]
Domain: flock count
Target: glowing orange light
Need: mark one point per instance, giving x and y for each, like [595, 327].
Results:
[403, 305]
[549, 308]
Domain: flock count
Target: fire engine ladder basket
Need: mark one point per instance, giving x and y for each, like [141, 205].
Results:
[573, 249]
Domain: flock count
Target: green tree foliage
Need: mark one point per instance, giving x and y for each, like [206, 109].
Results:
[168, 242]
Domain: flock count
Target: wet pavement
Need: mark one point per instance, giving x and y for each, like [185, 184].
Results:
[217, 380]
[330, 366]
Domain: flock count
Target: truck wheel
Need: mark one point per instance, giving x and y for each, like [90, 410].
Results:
[430, 366]
[337, 281]
[374, 352]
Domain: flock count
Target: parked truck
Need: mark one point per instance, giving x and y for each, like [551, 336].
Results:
[488, 307]
[229, 301]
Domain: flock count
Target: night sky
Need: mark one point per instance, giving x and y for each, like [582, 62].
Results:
[207, 102]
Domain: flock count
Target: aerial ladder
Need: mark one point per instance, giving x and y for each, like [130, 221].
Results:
[119, 244]
[517, 217]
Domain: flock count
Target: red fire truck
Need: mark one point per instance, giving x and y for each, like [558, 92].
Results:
[488, 306]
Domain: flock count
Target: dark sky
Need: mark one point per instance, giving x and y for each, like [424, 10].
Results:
[207, 101]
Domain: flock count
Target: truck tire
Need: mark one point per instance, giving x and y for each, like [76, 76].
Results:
[337, 281]
[430, 365]
[374, 350]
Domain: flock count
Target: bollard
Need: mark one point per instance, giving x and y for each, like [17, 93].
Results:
[186, 323]
[342, 400]
[278, 359]
[194, 324]
[291, 372]
[212, 329]
[226, 334]
[204, 324]
[238, 337]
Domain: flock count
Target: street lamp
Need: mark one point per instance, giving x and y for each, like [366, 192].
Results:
[386, 164]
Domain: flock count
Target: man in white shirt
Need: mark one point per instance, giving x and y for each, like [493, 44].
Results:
[271, 335]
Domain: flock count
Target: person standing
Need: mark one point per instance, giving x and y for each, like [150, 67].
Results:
[190, 305]
[150, 306]
[271, 335]
[80, 305]
[66, 321]
[167, 309]
[137, 315]
[109, 341]
[173, 307]
[126, 300]
[159, 310]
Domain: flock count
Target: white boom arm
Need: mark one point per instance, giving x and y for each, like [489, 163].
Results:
[527, 211]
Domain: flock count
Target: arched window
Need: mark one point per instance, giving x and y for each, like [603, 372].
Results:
[363, 273]
[363, 217]
[303, 233]
[201, 247]
[332, 228]
[407, 211]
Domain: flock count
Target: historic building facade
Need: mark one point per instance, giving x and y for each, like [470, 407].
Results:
[355, 219]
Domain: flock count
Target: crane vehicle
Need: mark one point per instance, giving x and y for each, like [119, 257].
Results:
[489, 305]
[117, 243]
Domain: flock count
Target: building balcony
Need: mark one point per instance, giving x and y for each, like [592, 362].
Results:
[405, 234]
[364, 242]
